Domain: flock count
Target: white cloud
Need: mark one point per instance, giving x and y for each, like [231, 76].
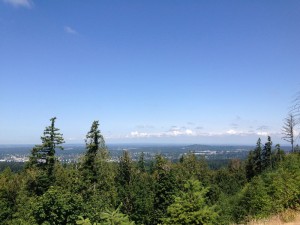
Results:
[231, 132]
[245, 133]
[19, 3]
[139, 134]
[179, 132]
[70, 30]
[170, 133]
[262, 133]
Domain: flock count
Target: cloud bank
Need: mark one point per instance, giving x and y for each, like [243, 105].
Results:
[179, 132]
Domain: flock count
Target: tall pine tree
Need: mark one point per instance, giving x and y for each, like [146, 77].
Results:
[95, 145]
[257, 153]
[43, 158]
[98, 174]
[44, 155]
[266, 154]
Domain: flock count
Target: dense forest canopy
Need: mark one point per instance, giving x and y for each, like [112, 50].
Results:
[96, 190]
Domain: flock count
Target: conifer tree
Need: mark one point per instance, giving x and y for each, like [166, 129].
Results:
[257, 157]
[95, 145]
[277, 156]
[164, 188]
[250, 165]
[190, 207]
[124, 180]
[43, 155]
[42, 160]
[141, 163]
[266, 154]
[254, 164]
[97, 172]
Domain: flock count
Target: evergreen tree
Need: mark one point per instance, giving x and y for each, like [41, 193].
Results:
[125, 169]
[191, 166]
[254, 200]
[250, 165]
[143, 196]
[257, 157]
[266, 154]
[190, 207]
[164, 188]
[115, 218]
[43, 159]
[108, 217]
[97, 175]
[94, 144]
[277, 156]
[141, 163]
[44, 155]
[124, 181]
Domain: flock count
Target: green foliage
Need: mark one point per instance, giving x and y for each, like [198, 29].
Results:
[48, 192]
[83, 221]
[143, 195]
[124, 181]
[14, 166]
[260, 160]
[254, 161]
[109, 217]
[94, 144]
[192, 167]
[115, 218]
[9, 188]
[266, 155]
[141, 163]
[190, 207]
[254, 200]
[164, 188]
[278, 156]
[230, 181]
[97, 174]
[57, 206]
[43, 157]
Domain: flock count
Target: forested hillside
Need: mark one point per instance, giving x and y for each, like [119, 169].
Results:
[97, 190]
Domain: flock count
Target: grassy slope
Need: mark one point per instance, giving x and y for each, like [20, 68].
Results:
[291, 218]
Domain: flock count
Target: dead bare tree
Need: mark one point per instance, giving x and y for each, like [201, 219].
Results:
[288, 129]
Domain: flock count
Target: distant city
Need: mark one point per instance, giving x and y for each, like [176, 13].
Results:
[72, 153]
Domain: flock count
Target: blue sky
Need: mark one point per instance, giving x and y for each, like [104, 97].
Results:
[211, 72]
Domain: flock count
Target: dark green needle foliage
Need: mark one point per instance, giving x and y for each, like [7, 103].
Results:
[164, 187]
[44, 155]
[152, 192]
[108, 217]
[97, 175]
[43, 158]
[190, 207]
[254, 161]
[266, 154]
[95, 145]
[124, 180]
